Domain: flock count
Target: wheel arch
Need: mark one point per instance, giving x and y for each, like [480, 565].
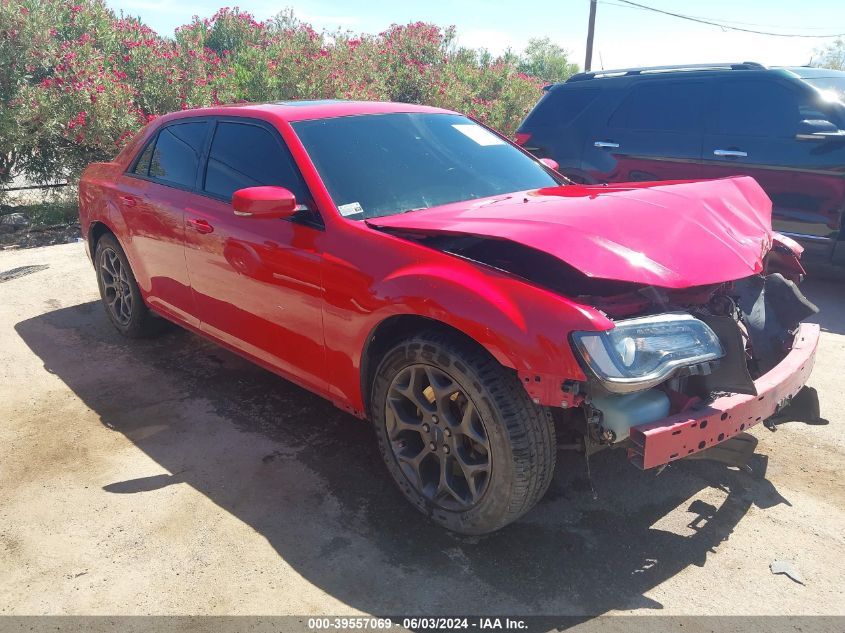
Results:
[96, 230]
[397, 327]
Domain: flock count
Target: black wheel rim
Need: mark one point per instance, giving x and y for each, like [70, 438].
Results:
[438, 437]
[117, 292]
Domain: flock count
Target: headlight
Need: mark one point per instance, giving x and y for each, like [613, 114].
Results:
[640, 353]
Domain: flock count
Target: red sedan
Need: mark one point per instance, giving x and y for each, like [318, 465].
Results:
[420, 271]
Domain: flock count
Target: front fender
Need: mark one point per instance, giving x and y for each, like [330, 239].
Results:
[522, 326]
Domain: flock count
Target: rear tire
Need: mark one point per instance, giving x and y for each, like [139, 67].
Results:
[120, 293]
[459, 434]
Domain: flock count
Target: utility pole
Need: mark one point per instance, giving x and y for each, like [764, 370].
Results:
[590, 31]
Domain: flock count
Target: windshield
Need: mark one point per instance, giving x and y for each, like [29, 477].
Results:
[384, 164]
[833, 88]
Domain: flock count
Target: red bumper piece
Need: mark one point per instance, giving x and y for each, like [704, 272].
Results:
[677, 436]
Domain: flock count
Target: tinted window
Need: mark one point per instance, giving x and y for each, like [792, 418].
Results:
[244, 155]
[560, 106]
[669, 107]
[383, 164]
[142, 167]
[756, 108]
[177, 152]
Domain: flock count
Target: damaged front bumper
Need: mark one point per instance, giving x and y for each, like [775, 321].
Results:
[688, 432]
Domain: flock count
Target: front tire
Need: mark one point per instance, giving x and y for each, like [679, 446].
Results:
[120, 293]
[459, 434]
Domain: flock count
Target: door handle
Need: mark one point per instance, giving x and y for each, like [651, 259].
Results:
[200, 225]
[606, 145]
[730, 153]
[129, 201]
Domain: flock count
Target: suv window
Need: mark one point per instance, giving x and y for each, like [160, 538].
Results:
[665, 106]
[177, 153]
[247, 155]
[560, 106]
[756, 108]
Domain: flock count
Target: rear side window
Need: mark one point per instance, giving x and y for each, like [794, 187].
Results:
[666, 106]
[561, 106]
[757, 108]
[177, 153]
[245, 155]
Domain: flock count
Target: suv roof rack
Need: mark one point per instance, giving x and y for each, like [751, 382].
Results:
[627, 72]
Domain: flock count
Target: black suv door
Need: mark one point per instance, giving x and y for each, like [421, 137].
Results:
[655, 133]
[754, 130]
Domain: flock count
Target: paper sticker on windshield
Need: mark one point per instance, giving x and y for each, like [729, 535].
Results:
[353, 208]
[478, 134]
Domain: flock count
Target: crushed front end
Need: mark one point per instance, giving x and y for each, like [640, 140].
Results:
[684, 370]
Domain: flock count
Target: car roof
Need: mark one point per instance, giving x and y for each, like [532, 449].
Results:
[807, 72]
[626, 76]
[308, 109]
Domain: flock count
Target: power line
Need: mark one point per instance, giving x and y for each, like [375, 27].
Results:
[722, 25]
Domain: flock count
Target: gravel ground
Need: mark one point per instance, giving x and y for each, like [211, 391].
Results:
[171, 477]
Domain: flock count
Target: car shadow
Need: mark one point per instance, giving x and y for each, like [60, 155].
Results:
[308, 478]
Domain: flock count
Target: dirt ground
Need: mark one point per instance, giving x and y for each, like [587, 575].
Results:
[171, 477]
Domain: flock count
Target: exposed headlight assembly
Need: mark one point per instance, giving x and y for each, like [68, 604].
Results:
[640, 353]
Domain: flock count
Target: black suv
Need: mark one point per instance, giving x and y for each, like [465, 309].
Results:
[783, 126]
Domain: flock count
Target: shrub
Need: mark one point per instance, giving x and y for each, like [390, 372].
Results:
[76, 81]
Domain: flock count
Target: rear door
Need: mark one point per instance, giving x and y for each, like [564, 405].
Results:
[656, 133]
[557, 126]
[257, 282]
[753, 131]
[153, 194]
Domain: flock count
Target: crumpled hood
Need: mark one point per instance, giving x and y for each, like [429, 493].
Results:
[669, 234]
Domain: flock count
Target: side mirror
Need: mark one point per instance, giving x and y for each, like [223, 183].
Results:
[550, 163]
[817, 130]
[268, 203]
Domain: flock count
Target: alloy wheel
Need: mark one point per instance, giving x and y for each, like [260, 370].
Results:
[438, 437]
[117, 291]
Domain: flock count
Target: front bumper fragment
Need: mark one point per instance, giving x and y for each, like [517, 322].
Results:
[682, 434]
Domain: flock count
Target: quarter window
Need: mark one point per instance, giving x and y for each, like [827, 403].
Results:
[667, 107]
[142, 167]
[244, 155]
[177, 153]
[561, 106]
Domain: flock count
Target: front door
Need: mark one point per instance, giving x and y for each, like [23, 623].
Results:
[753, 131]
[256, 282]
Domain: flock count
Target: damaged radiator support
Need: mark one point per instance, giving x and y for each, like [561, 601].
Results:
[772, 308]
[732, 373]
[769, 355]
[694, 430]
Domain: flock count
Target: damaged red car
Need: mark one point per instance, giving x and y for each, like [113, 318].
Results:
[422, 272]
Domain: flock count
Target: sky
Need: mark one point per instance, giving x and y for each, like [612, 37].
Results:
[625, 36]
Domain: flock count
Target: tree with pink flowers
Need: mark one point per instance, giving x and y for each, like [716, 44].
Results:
[76, 80]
